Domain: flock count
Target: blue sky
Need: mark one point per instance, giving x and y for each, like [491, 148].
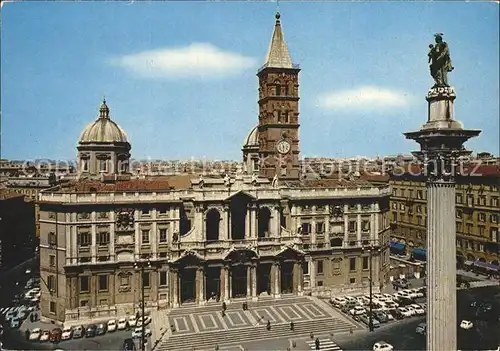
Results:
[199, 99]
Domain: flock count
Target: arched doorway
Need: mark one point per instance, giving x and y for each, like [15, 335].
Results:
[286, 277]
[239, 281]
[212, 225]
[238, 216]
[264, 219]
[188, 285]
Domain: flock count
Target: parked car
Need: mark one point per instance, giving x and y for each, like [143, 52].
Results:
[466, 324]
[381, 316]
[15, 323]
[405, 312]
[421, 329]
[55, 335]
[137, 333]
[78, 332]
[122, 324]
[411, 310]
[365, 319]
[357, 310]
[349, 305]
[338, 301]
[382, 346]
[419, 311]
[146, 320]
[91, 331]
[45, 335]
[132, 321]
[129, 345]
[112, 325]
[401, 284]
[101, 329]
[67, 333]
[35, 334]
[418, 293]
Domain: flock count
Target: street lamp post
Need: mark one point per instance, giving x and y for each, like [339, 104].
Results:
[140, 266]
[370, 259]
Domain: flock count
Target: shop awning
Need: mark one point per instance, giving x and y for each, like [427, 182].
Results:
[420, 253]
[489, 266]
[397, 246]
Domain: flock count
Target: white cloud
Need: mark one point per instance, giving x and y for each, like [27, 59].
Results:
[364, 98]
[195, 60]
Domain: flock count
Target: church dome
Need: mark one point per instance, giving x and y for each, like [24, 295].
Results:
[252, 140]
[103, 130]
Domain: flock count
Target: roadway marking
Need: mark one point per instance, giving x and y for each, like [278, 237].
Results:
[310, 307]
[182, 320]
[235, 313]
[290, 311]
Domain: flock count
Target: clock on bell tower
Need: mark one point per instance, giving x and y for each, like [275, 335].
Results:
[279, 111]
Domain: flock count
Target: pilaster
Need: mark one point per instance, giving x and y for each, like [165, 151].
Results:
[154, 234]
[174, 295]
[200, 288]
[137, 235]
[249, 281]
[253, 222]
[112, 234]
[93, 247]
[345, 242]
[312, 273]
[253, 269]
[277, 280]
[358, 225]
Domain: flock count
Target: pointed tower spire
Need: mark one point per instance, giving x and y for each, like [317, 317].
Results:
[277, 54]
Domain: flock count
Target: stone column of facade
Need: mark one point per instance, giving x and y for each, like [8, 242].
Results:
[154, 235]
[224, 282]
[230, 285]
[276, 222]
[253, 222]
[253, 268]
[249, 281]
[93, 291]
[93, 233]
[247, 223]
[272, 277]
[313, 231]
[137, 235]
[327, 230]
[174, 295]
[312, 273]
[112, 236]
[200, 286]
[441, 144]
[277, 280]
[345, 242]
[199, 224]
[153, 290]
[377, 220]
[112, 289]
[358, 227]
[293, 221]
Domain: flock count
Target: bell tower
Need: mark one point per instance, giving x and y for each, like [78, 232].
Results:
[278, 129]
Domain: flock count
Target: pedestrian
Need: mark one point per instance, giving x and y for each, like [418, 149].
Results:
[268, 325]
[292, 326]
[311, 335]
[224, 307]
[216, 347]
[32, 318]
[316, 343]
[223, 313]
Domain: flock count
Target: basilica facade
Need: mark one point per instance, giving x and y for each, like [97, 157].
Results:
[263, 232]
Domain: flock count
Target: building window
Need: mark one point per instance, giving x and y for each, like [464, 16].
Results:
[402, 207]
[365, 263]
[52, 238]
[494, 202]
[394, 206]
[459, 227]
[52, 308]
[84, 284]
[84, 259]
[162, 211]
[305, 267]
[306, 228]
[103, 238]
[104, 165]
[102, 258]
[84, 303]
[163, 235]
[163, 278]
[459, 213]
[84, 239]
[103, 215]
[365, 226]
[469, 228]
[482, 230]
[352, 280]
[470, 200]
[352, 226]
[85, 165]
[320, 266]
[353, 207]
[320, 283]
[124, 280]
[352, 264]
[494, 234]
[482, 217]
[145, 236]
[320, 227]
[145, 212]
[278, 90]
[163, 254]
[482, 200]
[103, 302]
[103, 283]
[494, 218]
[145, 279]
[51, 283]
[419, 208]
[52, 260]
[459, 198]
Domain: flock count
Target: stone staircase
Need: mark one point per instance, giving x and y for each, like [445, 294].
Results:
[208, 340]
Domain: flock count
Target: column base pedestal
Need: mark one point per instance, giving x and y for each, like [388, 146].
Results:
[255, 298]
[277, 296]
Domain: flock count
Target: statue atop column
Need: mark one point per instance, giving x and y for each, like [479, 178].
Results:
[440, 61]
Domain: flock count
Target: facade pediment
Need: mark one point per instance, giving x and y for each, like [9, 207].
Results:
[240, 193]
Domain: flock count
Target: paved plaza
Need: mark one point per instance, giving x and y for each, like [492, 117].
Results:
[237, 328]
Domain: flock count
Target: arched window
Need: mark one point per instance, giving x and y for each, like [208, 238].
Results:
[278, 89]
[212, 225]
[264, 222]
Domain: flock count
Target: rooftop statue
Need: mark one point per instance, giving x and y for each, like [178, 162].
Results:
[440, 61]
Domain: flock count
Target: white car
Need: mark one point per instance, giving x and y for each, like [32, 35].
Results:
[360, 300]
[28, 271]
[132, 321]
[146, 319]
[418, 293]
[337, 301]
[419, 311]
[404, 312]
[378, 296]
[45, 335]
[350, 298]
[411, 310]
[382, 346]
[122, 323]
[112, 325]
[137, 333]
[388, 296]
[67, 333]
[35, 334]
[466, 324]
[358, 310]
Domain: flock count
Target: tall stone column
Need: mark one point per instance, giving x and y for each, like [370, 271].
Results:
[200, 281]
[441, 140]
[254, 281]
[174, 273]
[253, 222]
[312, 274]
[249, 281]
[277, 279]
